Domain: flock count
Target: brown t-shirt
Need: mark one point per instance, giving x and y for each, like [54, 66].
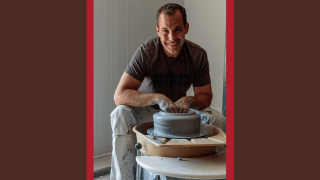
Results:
[171, 77]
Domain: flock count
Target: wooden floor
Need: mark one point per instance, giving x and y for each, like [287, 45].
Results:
[102, 163]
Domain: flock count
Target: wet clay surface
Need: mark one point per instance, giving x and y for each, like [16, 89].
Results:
[165, 105]
[176, 125]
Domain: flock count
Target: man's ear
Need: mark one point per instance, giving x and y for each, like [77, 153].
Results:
[186, 27]
[157, 28]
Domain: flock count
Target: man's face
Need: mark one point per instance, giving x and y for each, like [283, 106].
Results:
[172, 33]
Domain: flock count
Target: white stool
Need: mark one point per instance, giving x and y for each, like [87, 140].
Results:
[207, 167]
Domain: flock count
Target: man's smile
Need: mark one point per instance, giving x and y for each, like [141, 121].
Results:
[172, 44]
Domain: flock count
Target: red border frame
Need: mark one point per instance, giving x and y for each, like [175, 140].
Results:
[89, 129]
[230, 88]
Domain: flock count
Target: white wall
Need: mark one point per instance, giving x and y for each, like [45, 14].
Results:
[120, 26]
[207, 19]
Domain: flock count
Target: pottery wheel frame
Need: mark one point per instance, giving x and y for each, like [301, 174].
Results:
[180, 147]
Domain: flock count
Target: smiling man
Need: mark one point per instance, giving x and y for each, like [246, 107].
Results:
[160, 73]
[172, 29]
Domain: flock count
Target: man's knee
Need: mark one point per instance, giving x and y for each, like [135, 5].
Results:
[215, 115]
[215, 118]
[122, 120]
[119, 110]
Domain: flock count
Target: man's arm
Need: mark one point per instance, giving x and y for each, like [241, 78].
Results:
[202, 98]
[127, 94]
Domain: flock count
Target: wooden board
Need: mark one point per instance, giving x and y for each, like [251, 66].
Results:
[163, 140]
[217, 138]
[179, 147]
[179, 142]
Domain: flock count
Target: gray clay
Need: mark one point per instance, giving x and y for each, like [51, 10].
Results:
[177, 125]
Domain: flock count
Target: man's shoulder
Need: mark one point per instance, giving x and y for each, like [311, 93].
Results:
[194, 47]
[151, 44]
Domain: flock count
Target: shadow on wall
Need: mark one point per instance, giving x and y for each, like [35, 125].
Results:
[224, 111]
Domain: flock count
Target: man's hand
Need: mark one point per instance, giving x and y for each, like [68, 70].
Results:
[165, 104]
[184, 104]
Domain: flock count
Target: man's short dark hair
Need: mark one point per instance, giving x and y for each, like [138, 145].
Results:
[169, 9]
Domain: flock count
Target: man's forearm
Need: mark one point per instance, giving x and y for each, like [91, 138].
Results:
[135, 98]
[201, 101]
[197, 102]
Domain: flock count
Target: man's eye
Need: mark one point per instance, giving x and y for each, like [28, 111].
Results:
[165, 31]
[178, 30]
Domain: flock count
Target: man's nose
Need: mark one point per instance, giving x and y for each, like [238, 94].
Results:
[171, 36]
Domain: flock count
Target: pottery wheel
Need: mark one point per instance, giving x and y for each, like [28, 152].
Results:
[177, 125]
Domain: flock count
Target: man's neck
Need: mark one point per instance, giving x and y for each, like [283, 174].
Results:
[172, 56]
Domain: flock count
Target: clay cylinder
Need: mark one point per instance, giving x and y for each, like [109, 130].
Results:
[176, 124]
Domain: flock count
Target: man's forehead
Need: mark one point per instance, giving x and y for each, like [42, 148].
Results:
[177, 27]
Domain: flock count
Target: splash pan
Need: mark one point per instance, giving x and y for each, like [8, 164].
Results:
[174, 147]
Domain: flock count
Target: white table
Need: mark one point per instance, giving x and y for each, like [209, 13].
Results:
[208, 167]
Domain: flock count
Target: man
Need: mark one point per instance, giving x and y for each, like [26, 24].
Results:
[157, 78]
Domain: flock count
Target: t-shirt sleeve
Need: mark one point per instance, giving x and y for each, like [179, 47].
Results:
[202, 76]
[138, 67]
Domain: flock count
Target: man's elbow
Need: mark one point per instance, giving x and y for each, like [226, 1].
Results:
[209, 100]
[117, 98]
